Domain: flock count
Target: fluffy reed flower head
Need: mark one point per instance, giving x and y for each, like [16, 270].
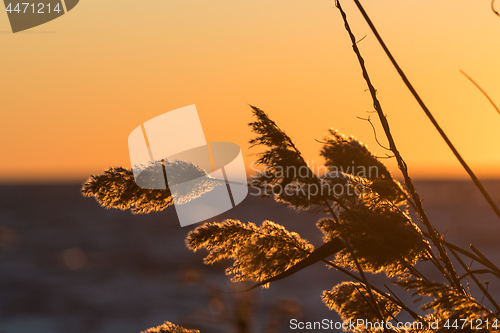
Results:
[117, 188]
[451, 305]
[280, 155]
[168, 327]
[351, 156]
[350, 301]
[382, 236]
[259, 253]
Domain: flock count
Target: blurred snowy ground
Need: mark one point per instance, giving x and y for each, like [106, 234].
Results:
[68, 265]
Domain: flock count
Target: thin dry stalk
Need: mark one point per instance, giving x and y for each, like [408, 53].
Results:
[481, 90]
[449, 272]
[472, 175]
[476, 281]
[493, 8]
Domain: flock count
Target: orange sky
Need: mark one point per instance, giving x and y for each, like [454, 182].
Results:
[73, 89]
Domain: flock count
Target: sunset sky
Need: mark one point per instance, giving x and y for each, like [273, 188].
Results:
[73, 89]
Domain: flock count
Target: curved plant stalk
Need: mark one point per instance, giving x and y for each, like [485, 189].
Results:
[482, 260]
[428, 113]
[493, 8]
[481, 90]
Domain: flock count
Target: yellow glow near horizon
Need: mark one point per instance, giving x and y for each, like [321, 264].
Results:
[74, 88]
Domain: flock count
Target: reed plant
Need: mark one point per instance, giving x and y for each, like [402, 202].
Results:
[368, 229]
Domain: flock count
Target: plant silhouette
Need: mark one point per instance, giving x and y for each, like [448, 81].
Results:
[368, 229]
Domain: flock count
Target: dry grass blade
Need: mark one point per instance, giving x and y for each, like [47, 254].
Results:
[493, 8]
[481, 90]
